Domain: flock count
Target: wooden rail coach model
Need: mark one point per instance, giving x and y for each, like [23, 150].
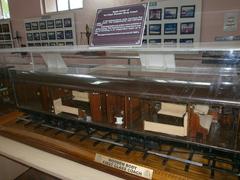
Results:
[194, 108]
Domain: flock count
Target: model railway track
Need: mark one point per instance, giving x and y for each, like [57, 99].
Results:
[137, 143]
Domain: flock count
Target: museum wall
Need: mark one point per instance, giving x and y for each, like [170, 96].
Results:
[212, 17]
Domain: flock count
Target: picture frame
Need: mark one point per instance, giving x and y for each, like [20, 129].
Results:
[187, 11]
[7, 46]
[0, 28]
[28, 26]
[29, 36]
[155, 29]
[170, 41]
[44, 36]
[44, 44]
[50, 24]
[187, 40]
[7, 37]
[69, 43]
[36, 36]
[170, 28]
[144, 41]
[30, 44]
[58, 23]
[68, 34]
[5, 28]
[145, 30]
[170, 13]
[67, 22]
[155, 41]
[37, 44]
[34, 26]
[52, 44]
[42, 25]
[1, 37]
[51, 35]
[60, 34]
[155, 14]
[187, 28]
[61, 43]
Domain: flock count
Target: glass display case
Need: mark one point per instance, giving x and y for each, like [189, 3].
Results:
[193, 105]
[5, 86]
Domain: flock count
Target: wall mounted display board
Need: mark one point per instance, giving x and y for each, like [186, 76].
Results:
[6, 39]
[119, 26]
[173, 21]
[53, 30]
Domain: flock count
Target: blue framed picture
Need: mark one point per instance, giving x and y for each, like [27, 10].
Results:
[155, 29]
[155, 41]
[170, 28]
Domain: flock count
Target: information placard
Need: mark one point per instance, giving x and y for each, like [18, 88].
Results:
[120, 26]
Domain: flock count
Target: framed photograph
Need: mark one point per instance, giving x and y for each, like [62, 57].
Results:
[52, 44]
[144, 41]
[0, 28]
[170, 41]
[68, 34]
[1, 37]
[44, 36]
[155, 29]
[67, 22]
[145, 30]
[155, 14]
[36, 36]
[61, 44]
[187, 11]
[170, 28]
[59, 23]
[155, 41]
[7, 37]
[187, 28]
[51, 35]
[170, 13]
[69, 43]
[50, 24]
[29, 36]
[5, 28]
[44, 44]
[28, 26]
[37, 44]
[60, 34]
[30, 44]
[42, 25]
[187, 41]
[34, 25]
[8, 46]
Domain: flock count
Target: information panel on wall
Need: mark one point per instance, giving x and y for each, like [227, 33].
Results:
[120, 26]
[173, 21]
[54, 30]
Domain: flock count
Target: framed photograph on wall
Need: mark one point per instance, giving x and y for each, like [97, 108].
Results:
[51, 35]
[7, 37]
[50, 24]
[30, 44]
[187, 28]
[170, 13]
[36, 36]
[52, 43]
[60, 34]
[187, 40]
[59, 23]
[5, 28]
[170, 28]
[44, 44]
[69, 43]
[155, 14]
[170, 41]
[28, 26]
[44, 36]
[155, 29]
[61, 44]
[68, 34]
[144, 41]
[1, 37]
[155, 41]
[188, 11]
[34, 25]
[37, 44]
[42, 25]
[29, 36]
[67, 22]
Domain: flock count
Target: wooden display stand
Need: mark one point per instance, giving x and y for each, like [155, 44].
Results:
[84, 152]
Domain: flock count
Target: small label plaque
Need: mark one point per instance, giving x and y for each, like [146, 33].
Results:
[119, 26]
[124, 166]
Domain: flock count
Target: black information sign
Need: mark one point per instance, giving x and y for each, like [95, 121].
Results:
[120, 26]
